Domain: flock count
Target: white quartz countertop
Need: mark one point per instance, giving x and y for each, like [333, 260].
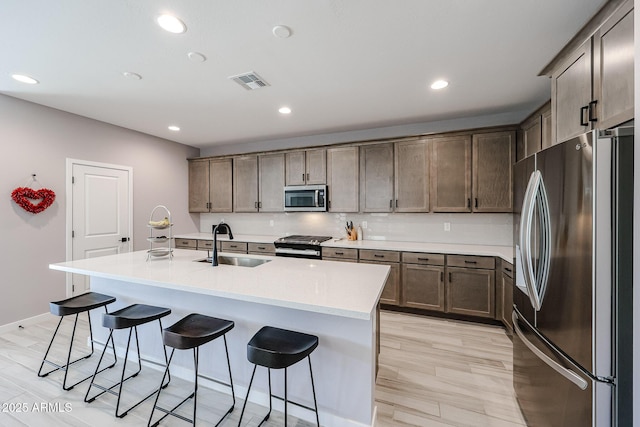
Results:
[504, 252]
[334, 288]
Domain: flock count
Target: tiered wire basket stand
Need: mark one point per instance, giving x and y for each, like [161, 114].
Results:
[159, 242]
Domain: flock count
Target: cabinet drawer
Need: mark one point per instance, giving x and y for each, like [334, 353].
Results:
[380, 256]
[339, 253]
[205, 244]
[234, 247]
[471, 261]
[507, 268]
[422, 258]
[262, 248]
[186, 243]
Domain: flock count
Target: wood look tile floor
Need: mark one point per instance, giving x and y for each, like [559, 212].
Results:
[433, 372]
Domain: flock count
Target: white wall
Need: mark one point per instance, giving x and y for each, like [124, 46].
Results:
[484, 229]
[37, 139]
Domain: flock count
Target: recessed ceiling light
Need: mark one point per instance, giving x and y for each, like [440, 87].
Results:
[285, 110]
[174, 128]
[196, 57]
[24, 79]
[171, 24]
[281, 31]
[132, 76]
[439, 84]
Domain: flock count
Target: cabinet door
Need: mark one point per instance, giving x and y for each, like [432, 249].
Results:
[423, 287]
[571, 94]
[546, 123]
[376, 178]
[493, 158]
[470, 292]
[221, 185]
[613, 68]
[532, 135]
[316, 166]
[295, 168]
[451, 174]
[342, 179]
[271, 183]
[411, 176]
[391, 292]
[245, 184]
[506, 301]
[199, 186]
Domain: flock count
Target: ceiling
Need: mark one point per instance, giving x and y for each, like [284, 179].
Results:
[348, 64]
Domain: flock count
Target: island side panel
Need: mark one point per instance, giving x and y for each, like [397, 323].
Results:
[343, 363]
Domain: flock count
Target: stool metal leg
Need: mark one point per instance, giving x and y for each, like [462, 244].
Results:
[68, 363]
[313, 388]
[123, 379]
[285, 397]
[194, 395]
[246, 399]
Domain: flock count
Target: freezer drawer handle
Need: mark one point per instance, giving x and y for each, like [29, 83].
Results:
[567, 373]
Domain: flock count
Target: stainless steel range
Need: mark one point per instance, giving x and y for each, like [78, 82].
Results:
[300, 246]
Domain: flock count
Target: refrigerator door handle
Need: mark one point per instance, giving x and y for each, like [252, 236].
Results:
[526, 224]
[567, 373]
[545, 242]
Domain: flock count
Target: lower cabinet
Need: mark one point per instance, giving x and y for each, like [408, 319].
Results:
[391, 292]
[233, 246]
[504, 295]
[423, 281]
[186, 243]
[261, 248]
[470, 291]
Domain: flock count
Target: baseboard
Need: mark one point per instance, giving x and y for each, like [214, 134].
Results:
[25, 322]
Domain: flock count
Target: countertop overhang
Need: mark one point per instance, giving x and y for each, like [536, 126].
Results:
[329, 287]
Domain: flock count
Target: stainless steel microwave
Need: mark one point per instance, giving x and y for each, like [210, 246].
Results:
[305, 198]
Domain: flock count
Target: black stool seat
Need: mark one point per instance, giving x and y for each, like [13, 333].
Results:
[279, 348]
[80, 303]
[133, 315]
[195, 330]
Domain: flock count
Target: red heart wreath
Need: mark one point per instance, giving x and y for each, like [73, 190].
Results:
[24, 195]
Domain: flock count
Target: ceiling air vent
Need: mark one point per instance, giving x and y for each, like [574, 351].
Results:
[250, 80]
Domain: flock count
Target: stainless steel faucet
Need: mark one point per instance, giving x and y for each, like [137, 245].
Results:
[215, 231]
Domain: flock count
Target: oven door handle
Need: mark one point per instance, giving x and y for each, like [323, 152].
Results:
[317, 198]
[300, 252]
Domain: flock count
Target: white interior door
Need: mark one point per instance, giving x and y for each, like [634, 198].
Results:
[101, 214]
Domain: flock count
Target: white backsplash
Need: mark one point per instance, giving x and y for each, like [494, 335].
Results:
[483, 229]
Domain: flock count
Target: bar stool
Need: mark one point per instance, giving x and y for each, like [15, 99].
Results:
[74, 305]
[276, 348]
[191, 332]
[128, 318]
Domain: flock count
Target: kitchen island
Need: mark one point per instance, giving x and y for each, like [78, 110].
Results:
[335, 301]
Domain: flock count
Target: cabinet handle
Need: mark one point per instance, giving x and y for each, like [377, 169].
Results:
[468, 203]
[259, 204]
[303, 177]
[378, 256]
[396, 203]
[233, 246]
[592, 108]
[423, 259]
[307, 177]
[339, 253]
[507, 269]
[390, 203]
[255, 205]
[476, 202]
[442, 276]
[262, 248]
[449, 277]
[470, 262]
[582, 111]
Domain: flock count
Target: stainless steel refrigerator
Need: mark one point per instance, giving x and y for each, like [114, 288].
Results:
[572, 348]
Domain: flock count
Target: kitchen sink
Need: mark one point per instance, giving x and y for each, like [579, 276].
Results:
[237, 261]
